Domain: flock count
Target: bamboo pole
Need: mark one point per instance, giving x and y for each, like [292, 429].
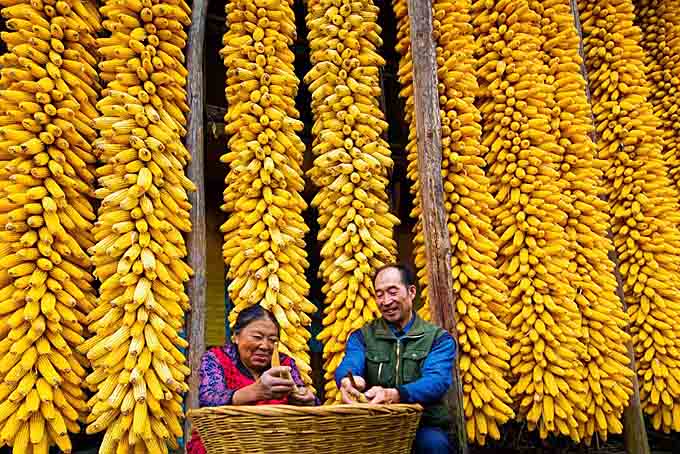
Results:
[197, 240]
[435, 231]
[634, 431]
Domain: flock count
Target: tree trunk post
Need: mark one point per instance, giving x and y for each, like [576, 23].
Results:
[196, 240]
[435, 231]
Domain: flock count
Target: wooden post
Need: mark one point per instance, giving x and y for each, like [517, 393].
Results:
[435, 231]
[197, 240]
[634, 431]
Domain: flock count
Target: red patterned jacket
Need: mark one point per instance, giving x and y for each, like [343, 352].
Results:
[222, 374]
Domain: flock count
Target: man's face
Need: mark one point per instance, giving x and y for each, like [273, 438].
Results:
[395, 300]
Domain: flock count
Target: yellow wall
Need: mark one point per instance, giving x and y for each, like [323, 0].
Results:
[214, 317]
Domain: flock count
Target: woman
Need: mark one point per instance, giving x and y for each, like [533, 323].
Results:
[240, 373]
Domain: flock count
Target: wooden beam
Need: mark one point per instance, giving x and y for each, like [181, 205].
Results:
[634, 431]
[435, 231]
[196, 240]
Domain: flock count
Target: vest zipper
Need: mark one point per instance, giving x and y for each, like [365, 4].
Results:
[398, 379]
[380, 371]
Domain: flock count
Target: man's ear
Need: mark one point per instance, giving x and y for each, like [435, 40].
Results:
[411, 289]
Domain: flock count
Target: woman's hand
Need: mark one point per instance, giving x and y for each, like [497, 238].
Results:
[302, 397]
[272, 386]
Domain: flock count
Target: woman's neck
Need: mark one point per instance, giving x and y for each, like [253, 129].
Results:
[255, 373]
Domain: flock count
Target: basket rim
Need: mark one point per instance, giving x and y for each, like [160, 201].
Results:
[287, 410]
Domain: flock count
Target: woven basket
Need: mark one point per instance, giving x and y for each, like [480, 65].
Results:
[271, 429]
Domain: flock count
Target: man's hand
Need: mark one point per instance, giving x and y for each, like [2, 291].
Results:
[349, 393]
[380, 395]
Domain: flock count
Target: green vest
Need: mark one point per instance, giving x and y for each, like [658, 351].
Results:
[391, 363]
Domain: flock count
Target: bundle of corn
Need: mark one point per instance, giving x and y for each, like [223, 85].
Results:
[642, 200]
[351, 168]
[405, 74]
[47, 93]
[484, 350]
[264, 235]
[139, 373]
[521, 129]
[660, 24]
[482, 335]
[606, 362]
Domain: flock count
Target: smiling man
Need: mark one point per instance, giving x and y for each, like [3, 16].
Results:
[401, 358]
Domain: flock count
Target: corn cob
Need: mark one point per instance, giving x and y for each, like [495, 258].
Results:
[46, 180]
[659, 21]
[351, 168]
[405, 75]
[642, 200]
[519, 126]
[264, 234]
[139, 371]
[606, 362]
[484, 350]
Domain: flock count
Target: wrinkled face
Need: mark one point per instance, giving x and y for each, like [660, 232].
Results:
[256, 343]
[395, 300]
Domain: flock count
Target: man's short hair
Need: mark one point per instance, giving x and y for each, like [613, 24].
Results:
[408, 277]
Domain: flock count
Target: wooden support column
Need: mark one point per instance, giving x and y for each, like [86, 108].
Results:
[196, 240]
[435, 231]
[634, 431]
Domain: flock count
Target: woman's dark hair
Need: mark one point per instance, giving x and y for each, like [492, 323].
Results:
[251, 314]
[406, 274]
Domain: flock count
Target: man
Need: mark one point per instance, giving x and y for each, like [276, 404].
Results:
[401, 358]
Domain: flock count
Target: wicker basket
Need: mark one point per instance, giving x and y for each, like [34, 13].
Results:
[271, 429]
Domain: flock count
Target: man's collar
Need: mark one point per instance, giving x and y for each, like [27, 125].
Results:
[402, 332]
[412, 327]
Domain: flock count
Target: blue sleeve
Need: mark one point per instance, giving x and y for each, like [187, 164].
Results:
[435, 377]
[355, 358]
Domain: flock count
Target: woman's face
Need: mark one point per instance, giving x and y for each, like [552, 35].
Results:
[256, 343]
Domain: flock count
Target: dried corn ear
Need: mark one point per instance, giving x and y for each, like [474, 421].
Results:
[520, 127]
[264, 246]
[47, 93]
[351, 168]
[139, 371]
[642, 199]
[405, 75]
[659, 21]
[606, 362]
